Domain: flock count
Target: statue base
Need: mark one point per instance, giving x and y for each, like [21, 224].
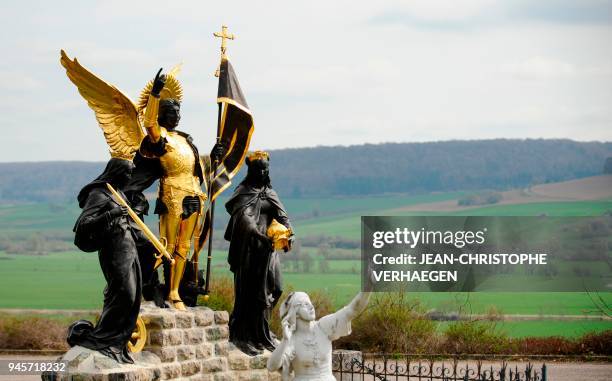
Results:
[181, 345]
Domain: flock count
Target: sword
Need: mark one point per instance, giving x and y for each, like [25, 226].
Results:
[161, 248]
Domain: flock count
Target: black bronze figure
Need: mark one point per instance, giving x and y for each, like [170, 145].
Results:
[257, 278]
[104, 226]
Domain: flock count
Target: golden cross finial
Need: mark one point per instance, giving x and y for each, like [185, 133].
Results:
[224, 35]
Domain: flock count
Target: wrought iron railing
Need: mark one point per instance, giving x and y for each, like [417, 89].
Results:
[355, 366]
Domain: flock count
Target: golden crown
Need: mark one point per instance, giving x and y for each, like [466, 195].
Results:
[258, 155]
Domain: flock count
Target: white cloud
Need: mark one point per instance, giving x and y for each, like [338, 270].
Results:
[445, 10]
[540, 68]
[15, 80]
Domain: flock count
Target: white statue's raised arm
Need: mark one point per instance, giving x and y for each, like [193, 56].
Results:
[305, 353]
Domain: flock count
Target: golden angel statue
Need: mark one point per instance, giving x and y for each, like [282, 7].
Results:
[147, 134]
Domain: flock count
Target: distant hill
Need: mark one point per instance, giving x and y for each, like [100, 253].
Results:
[369, 169]
[49, 181]
[586, 189]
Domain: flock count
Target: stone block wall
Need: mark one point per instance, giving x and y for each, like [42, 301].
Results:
[194, 346]
[191, 345]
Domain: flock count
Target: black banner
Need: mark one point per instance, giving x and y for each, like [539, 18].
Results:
[236, 128]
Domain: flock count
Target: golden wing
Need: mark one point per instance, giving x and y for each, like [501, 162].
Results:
[115, 112]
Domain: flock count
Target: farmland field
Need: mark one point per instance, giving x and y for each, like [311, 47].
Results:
[72, 280]
[543, 328]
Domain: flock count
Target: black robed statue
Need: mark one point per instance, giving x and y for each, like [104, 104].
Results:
[104, 225]
[257, 278]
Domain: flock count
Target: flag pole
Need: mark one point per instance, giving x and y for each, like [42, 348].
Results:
[211, 209]
[224, 35]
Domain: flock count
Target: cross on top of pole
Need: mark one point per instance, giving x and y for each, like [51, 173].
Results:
[224, 35]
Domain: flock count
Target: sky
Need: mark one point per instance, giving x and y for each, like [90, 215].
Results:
[315, 72]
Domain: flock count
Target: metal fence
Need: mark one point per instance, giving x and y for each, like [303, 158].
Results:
[355, 366]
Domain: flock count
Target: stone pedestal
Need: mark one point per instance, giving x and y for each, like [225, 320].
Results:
[87, 365]
[190, 345]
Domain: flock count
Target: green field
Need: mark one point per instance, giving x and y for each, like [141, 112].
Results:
[348, 224]
[543, 328]
[37, 217]
[72, 280]
[561, 209]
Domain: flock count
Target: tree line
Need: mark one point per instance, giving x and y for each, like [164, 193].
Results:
[368, 169]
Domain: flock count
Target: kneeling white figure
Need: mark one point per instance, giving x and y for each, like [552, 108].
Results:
[305, 352]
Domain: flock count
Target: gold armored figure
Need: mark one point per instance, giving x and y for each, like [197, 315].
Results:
[181, 200]
[161, 152]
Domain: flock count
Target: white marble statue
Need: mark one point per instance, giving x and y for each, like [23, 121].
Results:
[305, 353]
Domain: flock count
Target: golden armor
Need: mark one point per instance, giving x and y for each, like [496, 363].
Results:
[178, 183]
